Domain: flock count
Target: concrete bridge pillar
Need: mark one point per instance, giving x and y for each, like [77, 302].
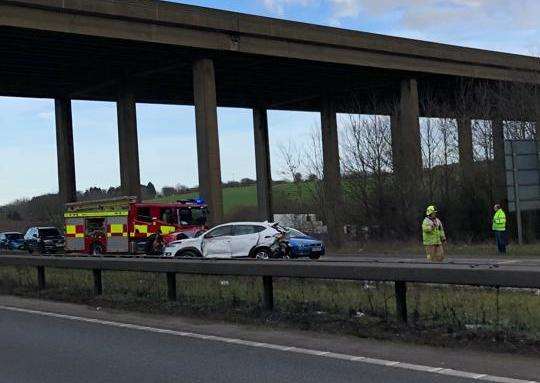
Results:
[204, 86]
[500, 193]
[407, 152]
[128, 144]
[262, 163]
[396, 143]
[537, 108]
[410, 159]
[333, 193]
[67, 188]
[465, 142]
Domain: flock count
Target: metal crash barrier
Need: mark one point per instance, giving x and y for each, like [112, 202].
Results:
[488, 275]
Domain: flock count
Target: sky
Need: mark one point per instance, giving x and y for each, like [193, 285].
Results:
[167, 133]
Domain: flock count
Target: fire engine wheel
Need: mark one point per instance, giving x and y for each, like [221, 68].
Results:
[97, 250]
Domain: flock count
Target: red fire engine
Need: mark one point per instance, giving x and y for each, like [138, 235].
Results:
[123, 225]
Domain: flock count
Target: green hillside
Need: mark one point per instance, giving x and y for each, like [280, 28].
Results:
[246, 196]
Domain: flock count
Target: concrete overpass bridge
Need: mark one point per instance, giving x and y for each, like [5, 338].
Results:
[159, 52]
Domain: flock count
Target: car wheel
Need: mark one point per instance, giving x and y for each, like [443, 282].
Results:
[30, 251]
[314, 257]
[187, 254]
[262, 254]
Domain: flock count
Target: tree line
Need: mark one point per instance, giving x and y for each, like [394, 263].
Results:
[374, 198]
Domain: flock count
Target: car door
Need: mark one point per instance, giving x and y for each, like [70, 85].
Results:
[245, 238]
[216, 243]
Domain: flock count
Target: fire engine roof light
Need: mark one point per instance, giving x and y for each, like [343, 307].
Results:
[198, 201]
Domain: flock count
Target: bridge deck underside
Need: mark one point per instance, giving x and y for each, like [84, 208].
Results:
[49, 64]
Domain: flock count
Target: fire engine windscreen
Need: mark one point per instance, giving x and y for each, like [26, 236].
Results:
[192, 216]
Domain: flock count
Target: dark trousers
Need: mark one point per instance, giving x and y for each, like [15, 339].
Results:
[500, 239]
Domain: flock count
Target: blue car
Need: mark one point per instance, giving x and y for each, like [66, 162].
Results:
[12, 241]
[302, 245]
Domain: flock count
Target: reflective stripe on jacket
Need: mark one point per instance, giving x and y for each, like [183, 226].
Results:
[499, 221]
[432, 232]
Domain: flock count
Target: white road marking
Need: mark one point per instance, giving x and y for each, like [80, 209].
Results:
[304, 351]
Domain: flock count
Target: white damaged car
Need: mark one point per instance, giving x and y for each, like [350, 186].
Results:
[259, 240]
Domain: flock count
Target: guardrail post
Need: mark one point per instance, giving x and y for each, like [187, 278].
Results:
[41, 277]
[171, 286]
[268, 293]
[401, 301]
[98, 283]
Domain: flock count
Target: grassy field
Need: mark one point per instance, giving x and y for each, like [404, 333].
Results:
[505, 320]
[246, 196]
[232, 197]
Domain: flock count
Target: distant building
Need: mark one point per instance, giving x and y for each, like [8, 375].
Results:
[303, 222]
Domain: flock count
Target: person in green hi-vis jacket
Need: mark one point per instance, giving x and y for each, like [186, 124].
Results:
[499, 229]
[433, 235]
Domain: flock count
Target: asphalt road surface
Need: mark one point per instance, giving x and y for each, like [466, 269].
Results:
[36, 348]
[507, 260]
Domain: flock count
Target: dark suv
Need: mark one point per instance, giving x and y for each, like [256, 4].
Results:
[44, 240]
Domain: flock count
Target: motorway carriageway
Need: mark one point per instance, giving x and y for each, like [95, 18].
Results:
[51, 347]
[354, 258]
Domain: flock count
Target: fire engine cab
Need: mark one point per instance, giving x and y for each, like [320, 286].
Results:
[123, 225]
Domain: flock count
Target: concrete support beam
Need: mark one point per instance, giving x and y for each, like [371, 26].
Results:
[262, 163]
[67, 188]
[333, 193]
[537, 115]
[500, 193]
[466, 156]
[407, 152]
[396, 143]
[410, 161]
[204, 86]
[128, 144]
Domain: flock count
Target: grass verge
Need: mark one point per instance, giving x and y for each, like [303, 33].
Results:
[452, 249]
[482, 318]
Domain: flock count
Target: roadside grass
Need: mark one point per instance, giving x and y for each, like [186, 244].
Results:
[456, 316]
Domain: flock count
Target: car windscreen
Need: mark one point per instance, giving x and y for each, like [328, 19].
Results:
[14, 236]
[49, 232]
[295, 233]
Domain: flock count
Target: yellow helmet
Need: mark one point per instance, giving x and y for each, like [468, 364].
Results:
[431, 209]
